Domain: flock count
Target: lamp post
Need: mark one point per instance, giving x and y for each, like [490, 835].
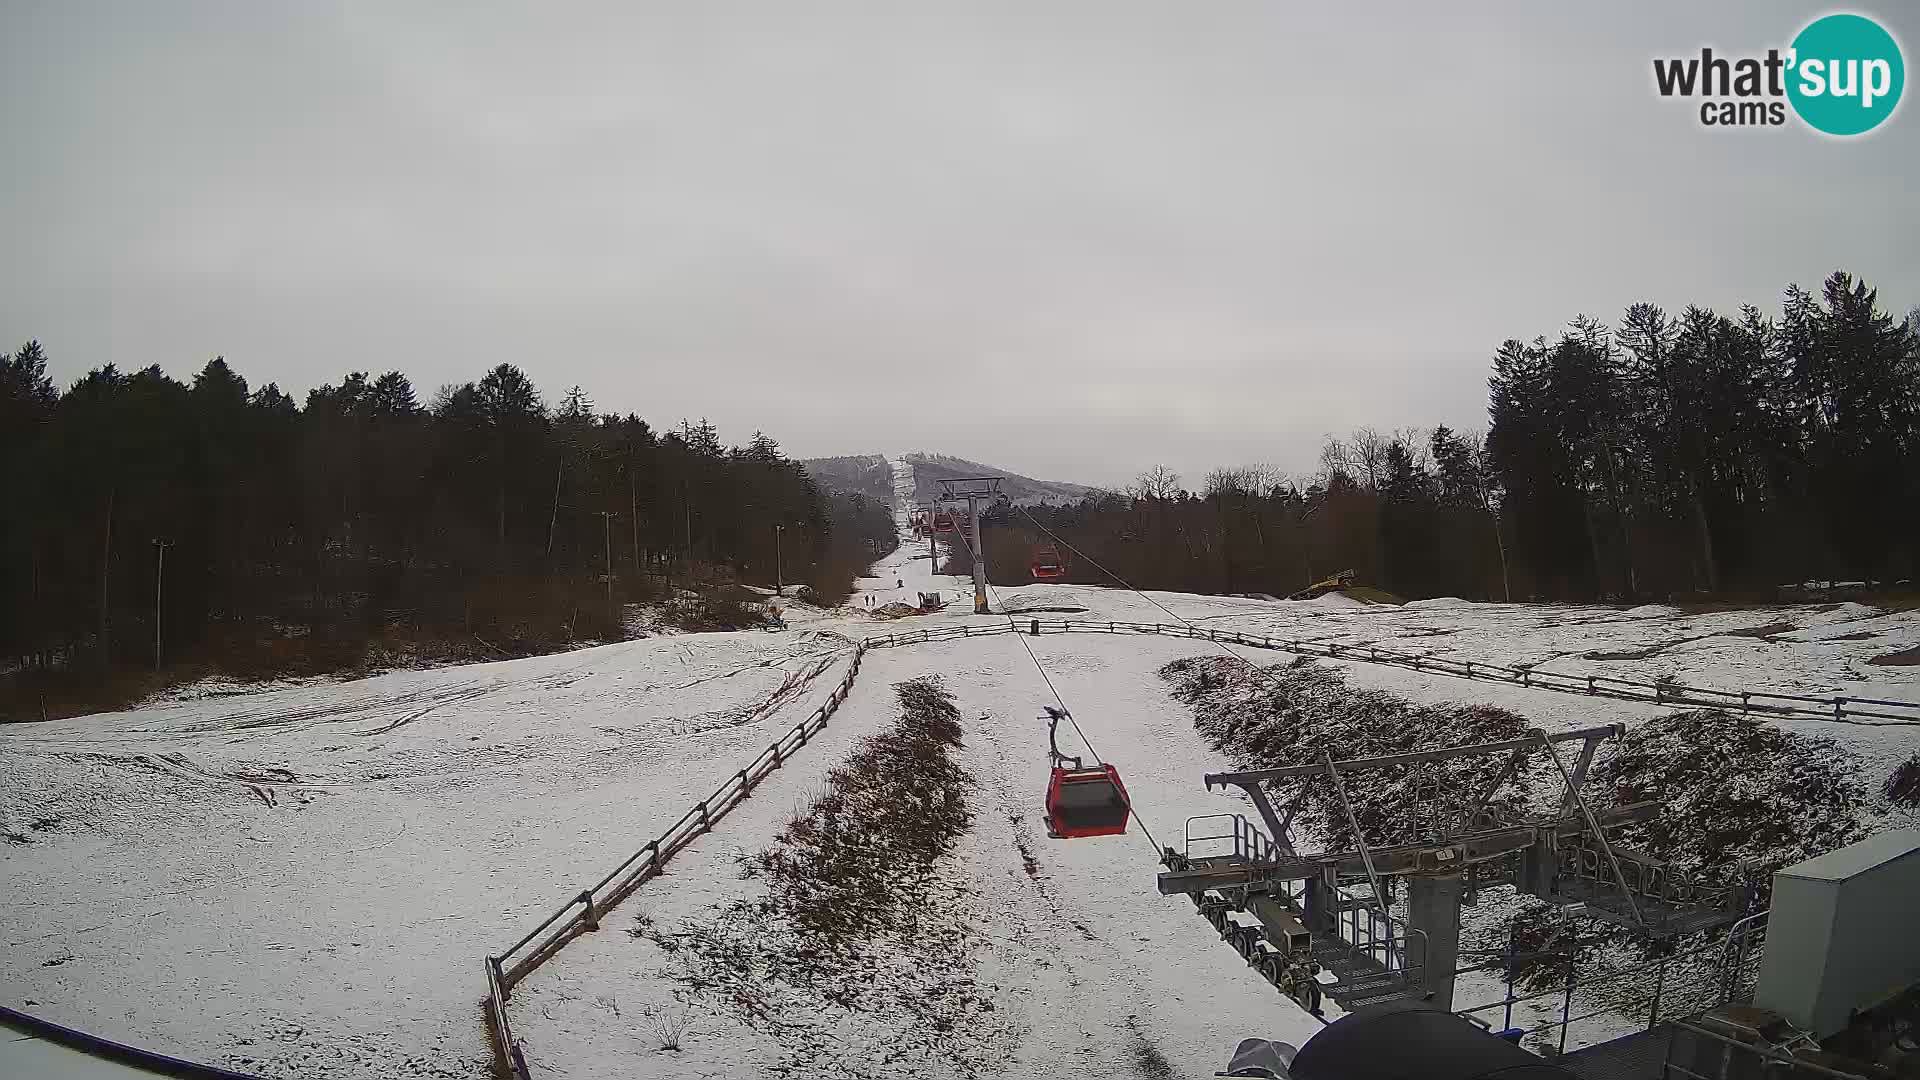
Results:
[1306, 542]
[606, 517]
[159, 577]
[779, 571]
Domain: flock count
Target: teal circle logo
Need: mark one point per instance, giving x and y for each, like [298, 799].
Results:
[1846, 74]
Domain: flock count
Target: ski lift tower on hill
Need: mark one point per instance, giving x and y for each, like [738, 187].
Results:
[975, 491]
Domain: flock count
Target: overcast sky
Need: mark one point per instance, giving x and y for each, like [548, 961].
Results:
[1070, 239]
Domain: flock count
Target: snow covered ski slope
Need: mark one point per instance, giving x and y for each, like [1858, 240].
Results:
[301, 882]
[307, 875]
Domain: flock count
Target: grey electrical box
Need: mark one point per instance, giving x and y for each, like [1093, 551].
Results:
[1841, 934]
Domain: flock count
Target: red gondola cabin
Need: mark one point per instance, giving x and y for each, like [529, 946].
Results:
[1086, 802]
[1081, 800]
[1047, 564]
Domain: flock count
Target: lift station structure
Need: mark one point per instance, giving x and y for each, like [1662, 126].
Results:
[1289, 912]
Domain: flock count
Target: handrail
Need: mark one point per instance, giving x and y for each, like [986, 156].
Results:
[1765, 1053]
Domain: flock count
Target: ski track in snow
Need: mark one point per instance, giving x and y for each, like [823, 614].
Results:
[303, 881]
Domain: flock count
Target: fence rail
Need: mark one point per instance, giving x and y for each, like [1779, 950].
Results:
[582, 913]
[1858, 710]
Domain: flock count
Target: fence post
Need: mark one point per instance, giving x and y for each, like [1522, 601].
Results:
[1589, 684]
[1036, 627]
[1566, 1005]
[1526, 679]
[746, 785]
[592, 917]
[1469, 669]
[778, 759]
[1746, 700]
[493, 963]
[706, 822]
[1838, 704]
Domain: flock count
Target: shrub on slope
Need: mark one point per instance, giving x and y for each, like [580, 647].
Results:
[851, 863]
[1902, 787]
[1735, 789]
[1294, 714]
[862, 953]
[1732, 788]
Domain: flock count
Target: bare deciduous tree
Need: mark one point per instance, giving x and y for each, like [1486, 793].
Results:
[1158, 483]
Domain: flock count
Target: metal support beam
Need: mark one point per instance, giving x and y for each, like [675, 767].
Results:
[979, 552]
[1568, 804]
[1480, 803]
[1366, 856]
[1433, 910]
[1573, 792]
[1285, 839]
[975, 490]
[1315, 902]
[1279, 827]
[1240, 778]
[1258, 796]
[1405, 859]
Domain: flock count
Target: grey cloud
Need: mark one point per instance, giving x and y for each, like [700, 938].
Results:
[1075, 239]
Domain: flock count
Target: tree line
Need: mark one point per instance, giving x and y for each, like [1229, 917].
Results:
[236, 526]
[1697, 455]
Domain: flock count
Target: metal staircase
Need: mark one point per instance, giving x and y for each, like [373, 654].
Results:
[1365, 952]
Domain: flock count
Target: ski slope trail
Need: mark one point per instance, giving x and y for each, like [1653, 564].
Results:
[903, 489]
[1086, 968]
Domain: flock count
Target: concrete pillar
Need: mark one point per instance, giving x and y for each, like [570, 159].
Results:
[1433, 909]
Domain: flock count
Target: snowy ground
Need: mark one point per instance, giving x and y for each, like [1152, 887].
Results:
[309, 876]
[1088, 963]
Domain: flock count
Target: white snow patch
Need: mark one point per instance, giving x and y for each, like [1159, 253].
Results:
[1337, 600]
[1651, 611]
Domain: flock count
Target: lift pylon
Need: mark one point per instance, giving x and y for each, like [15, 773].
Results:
[974, 491]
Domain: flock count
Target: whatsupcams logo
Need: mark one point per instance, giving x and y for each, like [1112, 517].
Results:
[1842, 75]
